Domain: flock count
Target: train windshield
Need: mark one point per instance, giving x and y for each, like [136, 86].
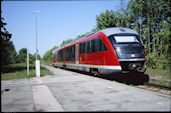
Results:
[127, 46]
[125, 40]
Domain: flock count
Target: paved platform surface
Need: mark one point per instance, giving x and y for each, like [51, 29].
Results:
[72, 91]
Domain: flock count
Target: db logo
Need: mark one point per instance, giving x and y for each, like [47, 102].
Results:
[132, 55]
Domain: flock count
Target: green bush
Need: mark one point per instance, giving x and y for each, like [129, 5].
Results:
[152, 60]
[163, 62]
[156, 61]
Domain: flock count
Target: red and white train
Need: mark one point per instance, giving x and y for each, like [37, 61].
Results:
[105, 51]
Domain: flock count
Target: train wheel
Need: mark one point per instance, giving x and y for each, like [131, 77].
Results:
[95, 72]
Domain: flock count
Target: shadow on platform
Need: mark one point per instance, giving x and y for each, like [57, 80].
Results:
[129, 78]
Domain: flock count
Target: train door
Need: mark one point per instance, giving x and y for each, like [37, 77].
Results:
[77, 53]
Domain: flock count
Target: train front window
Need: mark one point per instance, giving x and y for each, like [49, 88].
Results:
[127, 46]
[125, 40]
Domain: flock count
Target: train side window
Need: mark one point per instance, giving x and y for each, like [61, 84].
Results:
[84, 47]
[66, 54]
[70, 53]
[88, 47]
[60, 55]
[97, 44]
[100, 44]
[81, 48]
[103, 47]
[93, 45]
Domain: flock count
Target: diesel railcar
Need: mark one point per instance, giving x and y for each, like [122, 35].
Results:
[107, 51]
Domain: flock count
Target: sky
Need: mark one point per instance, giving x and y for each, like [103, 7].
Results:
[57, 21]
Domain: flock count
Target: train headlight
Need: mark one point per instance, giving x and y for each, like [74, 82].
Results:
[134, 65]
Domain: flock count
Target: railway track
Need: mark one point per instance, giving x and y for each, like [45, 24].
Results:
[156, 88]
[151, 84]
[141, 82]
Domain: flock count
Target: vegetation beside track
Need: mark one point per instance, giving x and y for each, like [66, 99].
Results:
[19, 70]
[159, 76]
[161, 83]
[159, 73]
[49, 63]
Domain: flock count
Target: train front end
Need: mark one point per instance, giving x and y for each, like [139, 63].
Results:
[130, 51]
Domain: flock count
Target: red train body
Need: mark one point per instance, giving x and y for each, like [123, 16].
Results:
[106, 51]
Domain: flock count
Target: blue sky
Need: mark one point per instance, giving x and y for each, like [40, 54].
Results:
[57, 21]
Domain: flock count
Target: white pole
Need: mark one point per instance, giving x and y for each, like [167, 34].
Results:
[37, 62]
[37, 68]
[27, 62]
[36, 12]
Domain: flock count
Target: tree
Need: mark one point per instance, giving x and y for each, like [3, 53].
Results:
[66, 42]
[111, 19]
[151, 19]
[106, 20]
[23, 55]
[31, 59]
[48, 55]
[8, 52]
[38, 56]
[83, 35]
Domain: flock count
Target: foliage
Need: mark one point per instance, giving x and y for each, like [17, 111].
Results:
[48, 55]
[38, 56]
[8, 52]
[111, 19]
[47, 62]
[155, 61]
[32, 59]
[161, 83]
[66, 42]
[152, 60]
[151, 19]
[81, 36]
[23, 55]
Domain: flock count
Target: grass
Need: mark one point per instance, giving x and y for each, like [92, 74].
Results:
[161, 82]
[159, 73]
[19, 70]
[49, 63]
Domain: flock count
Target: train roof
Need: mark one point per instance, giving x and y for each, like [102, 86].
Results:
[117, 30]
[107, 32]
[111, 31]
